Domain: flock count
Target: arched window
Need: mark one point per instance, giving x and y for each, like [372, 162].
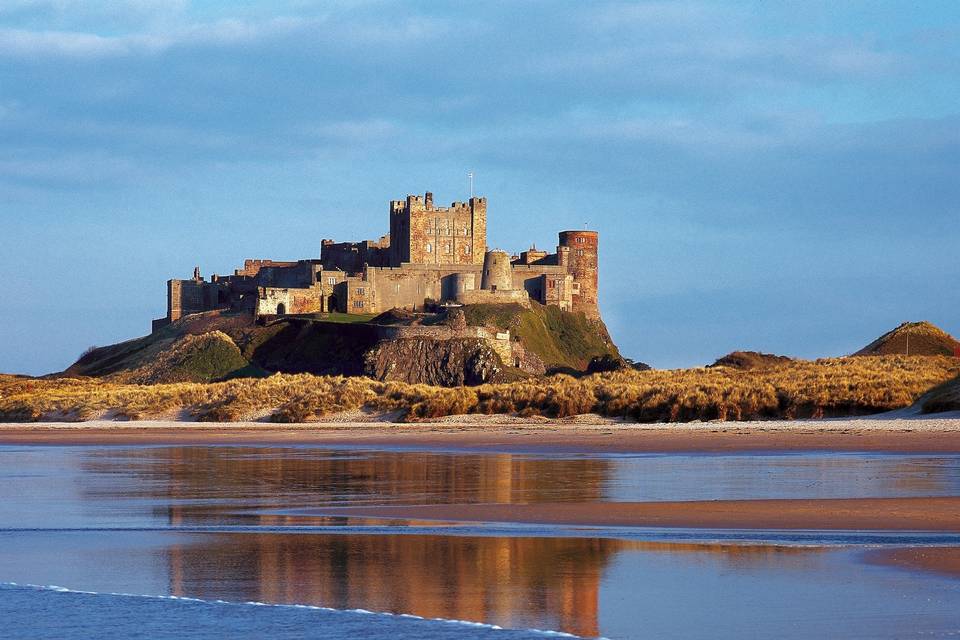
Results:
[429, 248]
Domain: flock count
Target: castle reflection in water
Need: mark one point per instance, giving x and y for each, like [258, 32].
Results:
[512, 581]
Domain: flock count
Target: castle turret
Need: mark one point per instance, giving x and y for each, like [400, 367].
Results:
[497, 275]
[579, 251]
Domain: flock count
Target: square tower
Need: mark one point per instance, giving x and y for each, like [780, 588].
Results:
[578, 252]
[421, 233]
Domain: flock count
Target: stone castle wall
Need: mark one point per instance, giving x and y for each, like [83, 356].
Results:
[431, 254]
[583, 257]
[422, 233]
[281, 301]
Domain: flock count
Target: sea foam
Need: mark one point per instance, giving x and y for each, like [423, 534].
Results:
[254, 603]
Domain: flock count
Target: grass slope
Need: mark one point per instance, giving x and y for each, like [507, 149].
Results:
[922, 339]
[562, 339]
[204, 358]
[944, 397]
[750, 360]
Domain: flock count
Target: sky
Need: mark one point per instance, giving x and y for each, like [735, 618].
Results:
[772, 176]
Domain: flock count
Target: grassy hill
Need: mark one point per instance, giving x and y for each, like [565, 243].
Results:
[217, 345]
[563, 340]
[195, 349]
[917, 338]
[750, 360]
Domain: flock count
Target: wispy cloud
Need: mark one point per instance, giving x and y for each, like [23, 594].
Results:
[43, 44]
[708, 132]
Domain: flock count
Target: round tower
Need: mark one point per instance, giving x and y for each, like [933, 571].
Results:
[582, 264]
[497, 274]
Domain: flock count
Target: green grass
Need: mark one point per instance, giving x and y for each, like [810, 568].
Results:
[210, 360]
[562, 339]
[345, 318]
[501, 316]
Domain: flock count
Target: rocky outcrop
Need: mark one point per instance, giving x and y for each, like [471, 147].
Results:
[447, 363]
[608, 362]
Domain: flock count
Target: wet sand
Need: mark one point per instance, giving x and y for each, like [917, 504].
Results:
[839, 514]
[943, 560]
[911, 435]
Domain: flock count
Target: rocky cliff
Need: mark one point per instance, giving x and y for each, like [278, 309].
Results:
[448, 363]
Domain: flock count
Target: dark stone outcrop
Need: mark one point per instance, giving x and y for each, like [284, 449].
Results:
[609, 362]
[448, 363]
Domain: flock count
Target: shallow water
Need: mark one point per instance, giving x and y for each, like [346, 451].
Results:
[193, 522]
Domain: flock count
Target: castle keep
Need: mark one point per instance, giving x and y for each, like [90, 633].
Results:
[432, 254]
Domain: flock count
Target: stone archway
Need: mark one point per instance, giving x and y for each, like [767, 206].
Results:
[331, 304]
[281, 309]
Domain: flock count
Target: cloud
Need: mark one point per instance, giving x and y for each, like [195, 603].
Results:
[43, 44]
[717, 147]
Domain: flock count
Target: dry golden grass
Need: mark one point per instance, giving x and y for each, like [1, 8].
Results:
[829, 387]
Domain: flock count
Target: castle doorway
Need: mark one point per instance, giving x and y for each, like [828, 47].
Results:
[331, 304]
[281, 309]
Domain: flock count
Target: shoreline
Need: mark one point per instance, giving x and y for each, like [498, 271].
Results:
[469, 433]
[813, 514]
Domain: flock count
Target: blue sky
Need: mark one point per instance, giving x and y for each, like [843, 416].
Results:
[777, 176]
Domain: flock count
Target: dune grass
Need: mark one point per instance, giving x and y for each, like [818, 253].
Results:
[798, 389]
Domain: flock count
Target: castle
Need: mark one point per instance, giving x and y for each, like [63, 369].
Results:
[432, 254]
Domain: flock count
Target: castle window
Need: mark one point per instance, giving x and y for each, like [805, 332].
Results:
[429, 248]
[448, 248]
[581, 239]
[332, 280]
[466, 249]
[358, 304]
[580, 252]
[359, 291]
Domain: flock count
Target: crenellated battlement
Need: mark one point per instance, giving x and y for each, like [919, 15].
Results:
[425, 203]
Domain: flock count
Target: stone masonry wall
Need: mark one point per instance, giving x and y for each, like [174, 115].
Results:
[280, 301]
[583, 266]
[424, 234]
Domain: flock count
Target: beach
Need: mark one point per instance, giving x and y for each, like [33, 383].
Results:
[584, 434]
[484, 528]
